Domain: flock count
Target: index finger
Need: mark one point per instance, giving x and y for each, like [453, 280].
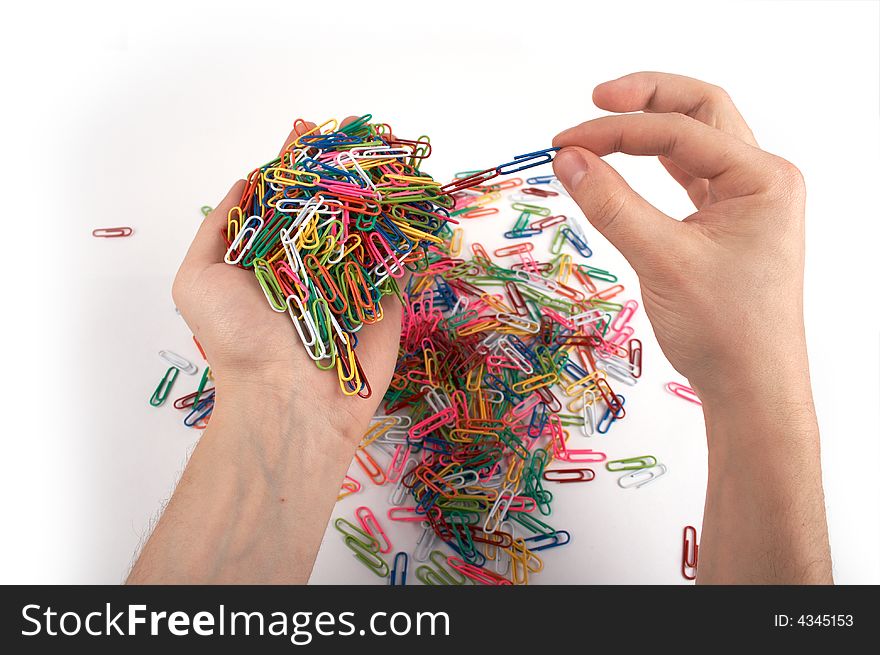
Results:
[665, 93]
[696, 148]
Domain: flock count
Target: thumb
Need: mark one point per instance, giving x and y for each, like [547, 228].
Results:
[633, 225]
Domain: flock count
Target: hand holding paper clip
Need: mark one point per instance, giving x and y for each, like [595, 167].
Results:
[724, 291]
[251, 347]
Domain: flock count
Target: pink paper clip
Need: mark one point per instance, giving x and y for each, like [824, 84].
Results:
[624, 316]
[371, 526]
[476, 573]
[582, 456]
[398, 462]
[406, 514]
[683, 391]
[433, 422]
[349, 486]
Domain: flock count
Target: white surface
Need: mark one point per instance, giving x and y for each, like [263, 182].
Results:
[138, 117]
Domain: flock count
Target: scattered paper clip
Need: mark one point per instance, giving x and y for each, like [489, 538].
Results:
[112, 232]
[181, 363]
[164, 388]
[690, 552]
[683, 391]
[641, 477]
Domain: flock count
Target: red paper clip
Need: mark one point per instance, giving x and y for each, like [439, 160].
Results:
[689, 553]
[112, 232]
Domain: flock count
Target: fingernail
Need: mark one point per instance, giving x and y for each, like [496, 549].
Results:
[570, 167]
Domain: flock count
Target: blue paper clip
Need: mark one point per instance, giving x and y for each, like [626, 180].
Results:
[398, 570]
[541, 179]
[545, 541]
[528, 160]
[608, 417]
[575, 240]
[521, 234]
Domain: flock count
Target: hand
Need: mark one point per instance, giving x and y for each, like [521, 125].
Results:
[723, 288]
[254, 349]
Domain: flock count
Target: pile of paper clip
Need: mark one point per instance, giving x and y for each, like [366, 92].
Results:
[504, 359]
[330, 226]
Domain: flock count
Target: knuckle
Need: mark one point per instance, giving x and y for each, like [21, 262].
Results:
[718, 96]
[788, 177]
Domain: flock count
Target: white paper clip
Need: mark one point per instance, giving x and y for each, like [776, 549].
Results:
[182, 363]
[637, 479]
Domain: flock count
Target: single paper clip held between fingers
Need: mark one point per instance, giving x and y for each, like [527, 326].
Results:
[689, 553]
[164, 388]
[641, 477]
[399, 568]
[112, 232]
[528, 160]
[182, 363]
[683, 391]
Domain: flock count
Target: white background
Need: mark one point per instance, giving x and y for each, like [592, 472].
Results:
[139, 113]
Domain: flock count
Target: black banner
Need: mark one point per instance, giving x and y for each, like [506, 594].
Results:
[404, 619]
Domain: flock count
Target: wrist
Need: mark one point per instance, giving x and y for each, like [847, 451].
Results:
[272, 422]
[766, 413]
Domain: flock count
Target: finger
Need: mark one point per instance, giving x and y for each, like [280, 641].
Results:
[697, 149]
[665, 93]
[634, 226]
[348, 120]
[208, 246]
[697, 188]
[300, 127]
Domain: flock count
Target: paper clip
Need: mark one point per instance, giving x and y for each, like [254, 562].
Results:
[690, 552]
[635, 357]
[565, 476]
[182, 363]
[112, 232]
[349, 486]
[398, 570]
[164, 388]
[206, 209]
[683, 391]
[544, 541]
[631, 463]
[439, 574]
[364, 546]
[638, 478]
[528, 160]
[371, 526]
[477, 573]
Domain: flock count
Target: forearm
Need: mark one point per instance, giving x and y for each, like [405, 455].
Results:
[764, 520]
[254, 501]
